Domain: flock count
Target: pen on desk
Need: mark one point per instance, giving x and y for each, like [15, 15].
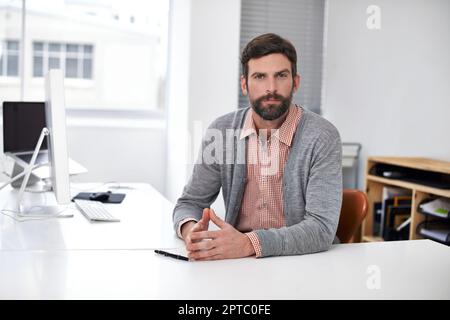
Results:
[168, 254]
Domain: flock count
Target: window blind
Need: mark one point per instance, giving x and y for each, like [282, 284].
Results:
[302, 23]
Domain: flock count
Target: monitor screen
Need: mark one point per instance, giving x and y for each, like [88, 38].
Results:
[22, 125]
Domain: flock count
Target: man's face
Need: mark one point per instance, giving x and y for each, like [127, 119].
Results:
[270, 85]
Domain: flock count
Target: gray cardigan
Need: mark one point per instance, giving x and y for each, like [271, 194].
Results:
[312, 184]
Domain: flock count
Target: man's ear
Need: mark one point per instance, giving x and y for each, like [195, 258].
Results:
[244, 86]
[296, 82]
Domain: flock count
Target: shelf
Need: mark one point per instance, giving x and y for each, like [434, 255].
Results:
[375, 184]
[415, 163]
[409, 185]
[372, 239]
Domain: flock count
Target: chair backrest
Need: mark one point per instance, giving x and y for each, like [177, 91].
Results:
[353, 211]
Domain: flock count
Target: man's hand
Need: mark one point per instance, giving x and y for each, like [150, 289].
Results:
[190, 226]
[226, 243]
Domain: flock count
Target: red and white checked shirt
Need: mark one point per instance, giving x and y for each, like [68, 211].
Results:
[262, 202]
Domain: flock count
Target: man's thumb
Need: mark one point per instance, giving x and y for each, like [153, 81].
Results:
[216, 219]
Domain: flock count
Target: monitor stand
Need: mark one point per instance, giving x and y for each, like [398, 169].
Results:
[39, 211]
[34, 184]
[41, 172]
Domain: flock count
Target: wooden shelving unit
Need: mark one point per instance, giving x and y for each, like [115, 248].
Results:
[374, 189]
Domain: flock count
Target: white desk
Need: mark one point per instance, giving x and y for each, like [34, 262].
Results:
[145, 223]
[59, 259]
[416, 269]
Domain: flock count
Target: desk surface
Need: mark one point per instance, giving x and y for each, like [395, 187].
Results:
[145, 222]
[71, 258]
[417, 269]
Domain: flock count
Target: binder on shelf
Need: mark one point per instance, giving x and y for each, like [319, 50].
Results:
[393, 197]
[397, 227]
[377, 206]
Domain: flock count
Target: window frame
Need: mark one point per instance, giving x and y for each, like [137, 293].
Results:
[63, 55]
[5, 54]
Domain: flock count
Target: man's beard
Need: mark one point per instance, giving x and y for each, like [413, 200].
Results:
[271, 111]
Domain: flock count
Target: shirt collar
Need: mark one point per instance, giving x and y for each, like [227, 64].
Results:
[249, 126]
[284, 134]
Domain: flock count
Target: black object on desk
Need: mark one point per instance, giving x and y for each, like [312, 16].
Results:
[438, 180]
[172, 255]
[105, 197]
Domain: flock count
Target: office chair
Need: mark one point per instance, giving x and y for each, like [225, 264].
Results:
[353, 211]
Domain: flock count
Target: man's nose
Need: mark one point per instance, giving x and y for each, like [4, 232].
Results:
[272, 85]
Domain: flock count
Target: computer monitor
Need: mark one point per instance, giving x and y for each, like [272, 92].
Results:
[22, 126]
[55, 131]
[55, 111]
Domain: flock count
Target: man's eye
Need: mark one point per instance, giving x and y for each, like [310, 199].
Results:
[259, 76]
[283, 75]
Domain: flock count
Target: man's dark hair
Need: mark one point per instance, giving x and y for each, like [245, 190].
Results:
[266, 44]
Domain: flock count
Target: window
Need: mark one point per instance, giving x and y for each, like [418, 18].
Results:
[74, 59]
[113, 53]
[301, 22]
[9, 58]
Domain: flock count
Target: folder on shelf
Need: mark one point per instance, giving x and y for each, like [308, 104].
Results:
[439, 207]
[437, 230]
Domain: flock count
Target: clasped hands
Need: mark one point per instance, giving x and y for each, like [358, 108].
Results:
[225, 243]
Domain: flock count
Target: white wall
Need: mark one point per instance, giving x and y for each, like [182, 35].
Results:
[203, 78]
[389, 88]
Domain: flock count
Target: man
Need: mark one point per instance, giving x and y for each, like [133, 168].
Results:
[285, 197]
